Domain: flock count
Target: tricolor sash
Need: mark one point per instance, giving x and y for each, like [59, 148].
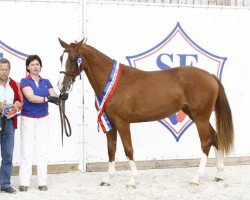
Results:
[109, 89]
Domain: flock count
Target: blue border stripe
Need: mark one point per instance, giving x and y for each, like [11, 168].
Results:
[177, 138]
[13, 50]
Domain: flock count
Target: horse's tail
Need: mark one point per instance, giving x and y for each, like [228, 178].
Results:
[224, 122]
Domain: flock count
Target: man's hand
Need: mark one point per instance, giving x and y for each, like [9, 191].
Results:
[18, 105]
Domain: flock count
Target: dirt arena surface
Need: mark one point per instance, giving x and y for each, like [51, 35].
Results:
[157, 184]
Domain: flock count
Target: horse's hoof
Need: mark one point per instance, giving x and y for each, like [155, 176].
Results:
[130, 187]
[194, 183]
[104, 184]
[217, 179]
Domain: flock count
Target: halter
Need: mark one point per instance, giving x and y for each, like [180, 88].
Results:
[72, 80]
[78, 61]
[65, 125]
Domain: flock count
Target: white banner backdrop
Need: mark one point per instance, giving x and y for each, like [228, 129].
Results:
[222, 35]
[135, 35]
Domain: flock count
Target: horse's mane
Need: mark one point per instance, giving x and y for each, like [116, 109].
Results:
[73, 44]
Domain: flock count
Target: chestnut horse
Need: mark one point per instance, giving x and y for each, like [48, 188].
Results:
[142, 96]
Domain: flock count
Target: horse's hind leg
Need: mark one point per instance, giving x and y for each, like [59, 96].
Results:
[219, 164]
[218, 155]
[203, 131]
[111, 142]
[124, 131]
[207, 139]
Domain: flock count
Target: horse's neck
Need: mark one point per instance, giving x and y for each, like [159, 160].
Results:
[98, 69]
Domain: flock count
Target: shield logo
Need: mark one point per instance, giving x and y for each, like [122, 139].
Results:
[177, 50]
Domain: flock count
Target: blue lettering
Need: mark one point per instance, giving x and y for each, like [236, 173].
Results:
[161, 64]
[183, 59]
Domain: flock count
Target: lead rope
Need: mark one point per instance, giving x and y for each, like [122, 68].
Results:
[65, 125]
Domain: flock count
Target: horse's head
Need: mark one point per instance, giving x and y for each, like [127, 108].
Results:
[72, 65]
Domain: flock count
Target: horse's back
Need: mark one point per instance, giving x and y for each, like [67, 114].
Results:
[158, 94]
[178, 78]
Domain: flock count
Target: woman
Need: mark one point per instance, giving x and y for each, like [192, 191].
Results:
[37, 92]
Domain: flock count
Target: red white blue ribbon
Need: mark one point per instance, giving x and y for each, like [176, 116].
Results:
[102, 119]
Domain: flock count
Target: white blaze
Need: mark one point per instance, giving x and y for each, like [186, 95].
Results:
[63, 69]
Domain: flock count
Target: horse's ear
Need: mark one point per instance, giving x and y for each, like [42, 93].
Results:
[84, 40]
[79, 44]
[63, 44]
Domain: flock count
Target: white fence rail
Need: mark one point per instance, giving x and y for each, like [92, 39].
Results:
[188, 2]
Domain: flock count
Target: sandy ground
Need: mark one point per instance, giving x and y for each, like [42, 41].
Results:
[160, 184]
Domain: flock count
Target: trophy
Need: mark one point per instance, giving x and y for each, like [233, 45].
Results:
[10, 111]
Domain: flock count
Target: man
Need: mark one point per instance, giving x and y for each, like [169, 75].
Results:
[9, 95]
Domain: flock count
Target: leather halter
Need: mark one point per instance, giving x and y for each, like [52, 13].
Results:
[65, 125]
[72, 80]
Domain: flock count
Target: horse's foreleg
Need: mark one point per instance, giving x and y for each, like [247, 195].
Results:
[111, 171]
[111, 142]
[219, 164]
[134, 173]
[124, 131]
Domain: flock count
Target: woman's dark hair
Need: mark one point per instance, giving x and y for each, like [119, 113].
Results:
[32, 58]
